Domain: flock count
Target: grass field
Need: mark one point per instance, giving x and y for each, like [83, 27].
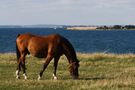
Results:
[97, 72]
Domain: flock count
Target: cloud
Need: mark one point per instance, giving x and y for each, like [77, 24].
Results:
[115, 4]
[66, 4]
[65, 11]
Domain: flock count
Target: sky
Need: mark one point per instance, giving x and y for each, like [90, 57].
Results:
[67, 12]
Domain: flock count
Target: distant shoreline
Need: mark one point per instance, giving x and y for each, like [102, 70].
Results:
[75, 27]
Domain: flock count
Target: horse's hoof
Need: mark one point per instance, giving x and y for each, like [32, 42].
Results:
[25, 76]
[39, 77]
[17, 77]
[17, 72]
[55, 78]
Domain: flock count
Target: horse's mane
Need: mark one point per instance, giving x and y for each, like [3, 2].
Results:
[69, 48]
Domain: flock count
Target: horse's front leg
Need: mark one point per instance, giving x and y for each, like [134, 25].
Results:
[56, 59]
[47, 61]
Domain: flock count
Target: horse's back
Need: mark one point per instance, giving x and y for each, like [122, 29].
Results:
[40, 46]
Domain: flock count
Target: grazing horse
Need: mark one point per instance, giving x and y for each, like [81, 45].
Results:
[48, 47]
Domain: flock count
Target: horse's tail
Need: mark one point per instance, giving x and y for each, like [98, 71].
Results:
[69, 50]
[17, 50]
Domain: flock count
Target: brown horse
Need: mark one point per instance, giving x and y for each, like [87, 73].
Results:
[49, 47]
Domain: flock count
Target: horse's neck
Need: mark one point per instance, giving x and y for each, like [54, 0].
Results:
[71, 58]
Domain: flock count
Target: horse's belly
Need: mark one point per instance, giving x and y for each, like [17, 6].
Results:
[39, 55]
[37, 50]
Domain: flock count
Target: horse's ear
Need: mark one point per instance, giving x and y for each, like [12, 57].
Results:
[18, 35]
[78, 61]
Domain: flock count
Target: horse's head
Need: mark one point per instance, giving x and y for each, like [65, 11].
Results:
[73, 68]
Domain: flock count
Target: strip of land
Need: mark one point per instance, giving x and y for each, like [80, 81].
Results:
[103, 27]
[82, 28]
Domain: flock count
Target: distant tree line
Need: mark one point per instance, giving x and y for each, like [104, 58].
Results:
[122, 27]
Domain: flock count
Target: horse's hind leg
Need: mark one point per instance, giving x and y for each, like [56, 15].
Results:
[56, 59]
[18, 69]
[23, 65]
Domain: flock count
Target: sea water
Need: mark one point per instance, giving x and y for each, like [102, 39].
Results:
[113, 41]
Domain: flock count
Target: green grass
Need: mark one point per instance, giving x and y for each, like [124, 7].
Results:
[97, 72]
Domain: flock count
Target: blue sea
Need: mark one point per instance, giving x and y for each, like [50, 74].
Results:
[113, 41]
